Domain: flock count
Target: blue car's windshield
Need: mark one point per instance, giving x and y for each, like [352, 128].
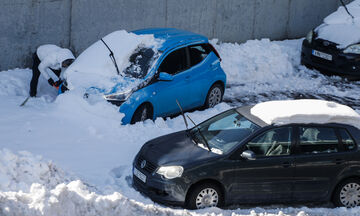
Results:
[140, 62]
[223, 132]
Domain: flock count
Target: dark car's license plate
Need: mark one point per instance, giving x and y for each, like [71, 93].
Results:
[322, 55]
[140, 175]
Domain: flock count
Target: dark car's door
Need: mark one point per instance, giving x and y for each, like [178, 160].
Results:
[319, 159]
[269, 177]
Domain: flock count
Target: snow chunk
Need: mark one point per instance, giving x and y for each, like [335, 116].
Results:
[305, 111]
[340, 28]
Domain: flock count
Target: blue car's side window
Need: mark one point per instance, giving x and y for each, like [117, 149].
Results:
[175, 62]
[198, 53]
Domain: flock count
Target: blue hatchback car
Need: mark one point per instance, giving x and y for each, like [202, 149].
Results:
[187, 70]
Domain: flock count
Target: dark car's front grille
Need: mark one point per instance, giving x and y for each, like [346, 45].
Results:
[149, 167]
[325, 45]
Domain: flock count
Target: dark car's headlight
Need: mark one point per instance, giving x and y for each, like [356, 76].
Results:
[122, 96]
[170, 172]
[353, 49]
[309, 36]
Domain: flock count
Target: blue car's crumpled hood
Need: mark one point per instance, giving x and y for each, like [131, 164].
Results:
[94, 71]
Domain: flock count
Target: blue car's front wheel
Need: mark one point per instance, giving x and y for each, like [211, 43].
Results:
[142, 113]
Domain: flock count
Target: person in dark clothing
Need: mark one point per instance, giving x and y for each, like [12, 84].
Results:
[50, 61]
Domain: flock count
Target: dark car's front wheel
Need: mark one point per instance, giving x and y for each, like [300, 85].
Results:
[205, 195]
[347, 193]
[214, 96]
[142, 113]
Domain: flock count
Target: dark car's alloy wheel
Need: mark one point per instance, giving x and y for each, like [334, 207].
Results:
[348, 193]
[214, 96]
[205, 195]
[142, 113]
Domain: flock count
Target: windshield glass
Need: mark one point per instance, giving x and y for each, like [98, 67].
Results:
[223, 132]
[140, 62]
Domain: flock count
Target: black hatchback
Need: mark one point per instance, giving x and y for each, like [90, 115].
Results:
[334, 47]
[235, 157]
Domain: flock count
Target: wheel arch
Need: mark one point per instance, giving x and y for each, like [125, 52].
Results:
[357, 177]
[151, 106]
[204, 181]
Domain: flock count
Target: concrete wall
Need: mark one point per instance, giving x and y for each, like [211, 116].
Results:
[26, 24]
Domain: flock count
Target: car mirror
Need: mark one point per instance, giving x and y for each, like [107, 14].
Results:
[165, 77]
[250, 155]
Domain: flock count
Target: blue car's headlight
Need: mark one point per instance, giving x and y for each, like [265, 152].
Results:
[353, 49]
[170, 172]
[122, 96]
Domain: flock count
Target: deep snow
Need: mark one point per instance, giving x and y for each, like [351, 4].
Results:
[91, 152]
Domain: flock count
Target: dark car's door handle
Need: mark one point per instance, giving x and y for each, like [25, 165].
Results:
[287, 164]
[339, 161]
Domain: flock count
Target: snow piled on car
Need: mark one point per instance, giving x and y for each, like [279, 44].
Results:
[339, 27]
[94, 67]
[305, 111]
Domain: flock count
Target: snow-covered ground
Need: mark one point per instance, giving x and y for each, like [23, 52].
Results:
[84, 167]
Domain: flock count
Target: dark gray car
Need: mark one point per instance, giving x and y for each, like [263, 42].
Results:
[235, 157]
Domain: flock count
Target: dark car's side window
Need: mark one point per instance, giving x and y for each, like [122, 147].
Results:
[198, 53]
[346, 140]
[274, 142]
[315, 140]
[175, 62]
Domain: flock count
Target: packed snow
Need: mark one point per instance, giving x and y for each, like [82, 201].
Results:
[84, 167]
[340, 28]
[305, 111]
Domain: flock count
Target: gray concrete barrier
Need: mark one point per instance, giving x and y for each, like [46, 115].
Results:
[26, 24]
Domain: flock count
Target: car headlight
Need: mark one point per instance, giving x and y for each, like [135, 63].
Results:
[353, 49]
[122, 96]
[309, 36]
[170, 172]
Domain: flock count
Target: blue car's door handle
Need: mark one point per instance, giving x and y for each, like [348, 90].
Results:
[187, 77]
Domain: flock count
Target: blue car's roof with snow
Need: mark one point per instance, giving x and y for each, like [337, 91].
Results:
[173, 37]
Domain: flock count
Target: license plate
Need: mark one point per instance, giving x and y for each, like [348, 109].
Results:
[140, 175]
[322, 55]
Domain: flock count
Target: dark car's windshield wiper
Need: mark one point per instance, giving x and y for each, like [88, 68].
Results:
[201, 134]
[347, 10]
[111, 55]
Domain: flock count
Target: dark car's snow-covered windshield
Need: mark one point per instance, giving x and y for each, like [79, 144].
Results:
[140, 62]
[224, 131]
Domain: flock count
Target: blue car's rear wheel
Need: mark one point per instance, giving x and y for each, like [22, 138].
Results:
[214, 96]
[142, 113]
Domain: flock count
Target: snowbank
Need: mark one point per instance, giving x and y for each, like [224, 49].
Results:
[20, 171]
[305, 111]
[94, 67]
[340, 28]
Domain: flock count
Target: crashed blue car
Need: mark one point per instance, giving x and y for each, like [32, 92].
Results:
[184, 69]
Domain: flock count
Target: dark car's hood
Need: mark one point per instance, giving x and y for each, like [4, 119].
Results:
[174, 149]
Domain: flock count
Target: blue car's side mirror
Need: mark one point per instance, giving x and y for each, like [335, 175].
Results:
[165, 77]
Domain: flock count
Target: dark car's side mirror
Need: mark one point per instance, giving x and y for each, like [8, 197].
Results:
[250, 155]
[165, 77]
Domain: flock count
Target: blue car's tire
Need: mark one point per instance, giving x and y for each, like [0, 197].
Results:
[214, 96]
[142, 113]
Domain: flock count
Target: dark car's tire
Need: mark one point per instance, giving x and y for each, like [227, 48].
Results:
[142, 113]
[214, 96]
[347, 193]
[205, 195]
